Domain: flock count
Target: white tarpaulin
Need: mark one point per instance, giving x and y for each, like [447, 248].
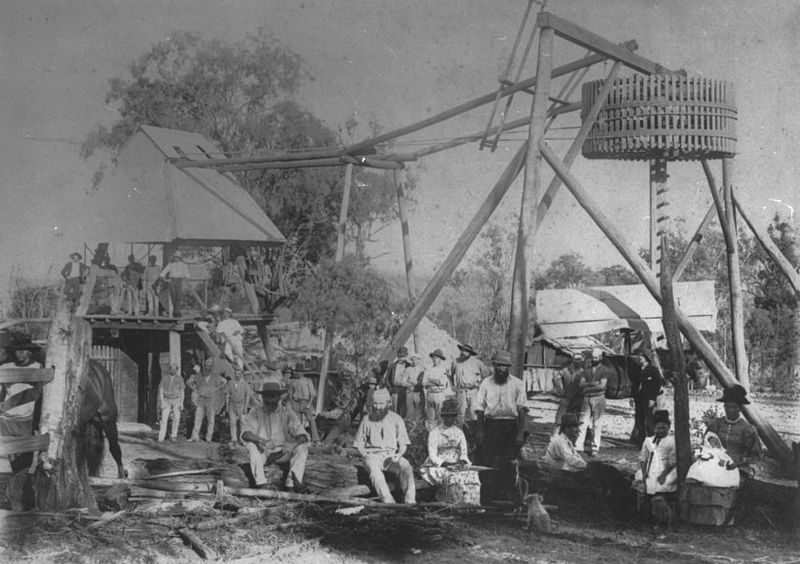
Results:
[591, 311]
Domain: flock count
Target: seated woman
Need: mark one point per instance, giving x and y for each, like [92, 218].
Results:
[561, 451]
[447, 460]
[738, 437]
[657, 460]
[710, 468]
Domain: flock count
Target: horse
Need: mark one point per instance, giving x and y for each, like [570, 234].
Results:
[98, 414]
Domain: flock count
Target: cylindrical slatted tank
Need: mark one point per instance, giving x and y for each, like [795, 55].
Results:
[662, 117]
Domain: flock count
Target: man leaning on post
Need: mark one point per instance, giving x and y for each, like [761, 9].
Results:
[502, 415]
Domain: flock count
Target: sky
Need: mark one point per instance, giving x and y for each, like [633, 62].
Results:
[397, 62]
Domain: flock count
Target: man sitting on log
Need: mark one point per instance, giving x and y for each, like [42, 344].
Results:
[382, 440]
[273, 434]
[561, 451]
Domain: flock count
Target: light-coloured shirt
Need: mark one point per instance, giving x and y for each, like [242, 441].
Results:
[435, 379]
[442, 439]
[74, 270]
[561, 452]
[231, 328]
[469, 373]
[406, 375]
[301, 389]
[172, 386]
[238, 392]
[175, 270]
[151, 274]
[279, 426]
[386, 435]
[206, 386]
[501, 401]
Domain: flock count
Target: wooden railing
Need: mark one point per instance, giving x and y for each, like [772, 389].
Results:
[15, 375]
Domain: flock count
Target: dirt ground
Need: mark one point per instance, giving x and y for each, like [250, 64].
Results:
[584, 529]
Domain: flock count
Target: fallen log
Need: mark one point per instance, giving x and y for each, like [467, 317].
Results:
[197, 545]
[105, 519]
[211, 470]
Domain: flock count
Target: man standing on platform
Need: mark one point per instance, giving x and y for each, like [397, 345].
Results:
[382, 440]
[74, 273]
[151, 276]
[175, 273]
[132, 278]
[468, 373]
[171, 392]
[502, 417]
[593, 384]
[273, 433]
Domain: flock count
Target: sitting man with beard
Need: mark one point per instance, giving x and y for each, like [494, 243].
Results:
[382, 440]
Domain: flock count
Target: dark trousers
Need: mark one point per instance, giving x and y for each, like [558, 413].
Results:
[175, 295]
[643, 425]
[499, 450]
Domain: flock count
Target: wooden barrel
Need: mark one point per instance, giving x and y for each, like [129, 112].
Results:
[664, 117]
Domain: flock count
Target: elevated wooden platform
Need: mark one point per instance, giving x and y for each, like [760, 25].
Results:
[162, 323]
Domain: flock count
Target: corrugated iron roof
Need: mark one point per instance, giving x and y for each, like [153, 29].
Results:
[146, 199]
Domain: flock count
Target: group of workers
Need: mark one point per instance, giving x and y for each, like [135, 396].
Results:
[128, 285]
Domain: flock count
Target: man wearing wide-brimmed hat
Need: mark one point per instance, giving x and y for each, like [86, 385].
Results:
[436, 384]
[502, 416]
[396, 380]
[561, 451]
[382, 440]
[302, 392]
[468, 373]
[273, 434]
[175, 273]
[74, 274]
[208, 389]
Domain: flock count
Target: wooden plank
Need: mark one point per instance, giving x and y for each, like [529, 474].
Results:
[13, 375]
[694, 243]
[477, 102]
[87, 291]
[17, 445]
[598, 44]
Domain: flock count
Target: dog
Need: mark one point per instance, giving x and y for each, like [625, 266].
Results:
[662, 512]
[537, 514]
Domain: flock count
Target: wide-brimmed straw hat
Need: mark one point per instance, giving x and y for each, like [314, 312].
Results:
[439, 353]
[467, 349]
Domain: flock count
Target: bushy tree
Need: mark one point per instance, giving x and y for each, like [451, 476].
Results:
[352, 299]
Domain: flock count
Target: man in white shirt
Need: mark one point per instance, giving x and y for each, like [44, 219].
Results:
[561, 451]
[468, 373]
[502, 417]
[436, 384]
[231, 333]
[382, 440]
[175, 273]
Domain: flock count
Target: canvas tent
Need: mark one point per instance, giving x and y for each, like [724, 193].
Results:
[147, 199]
[590, 311]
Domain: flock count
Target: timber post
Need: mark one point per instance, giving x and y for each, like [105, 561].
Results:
[400, 189]
[518, 326]
[678, 377]
[329, 330]
[734, 277]
[62, 480]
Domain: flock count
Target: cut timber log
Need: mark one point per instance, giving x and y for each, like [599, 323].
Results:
[197, 545]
